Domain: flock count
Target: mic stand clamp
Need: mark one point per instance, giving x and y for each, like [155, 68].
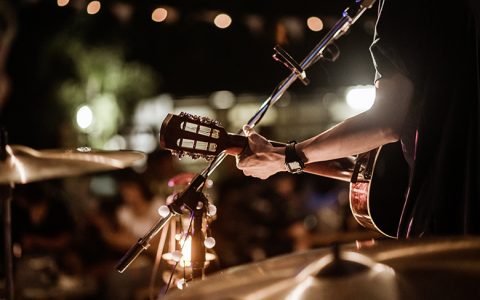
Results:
[282, 56]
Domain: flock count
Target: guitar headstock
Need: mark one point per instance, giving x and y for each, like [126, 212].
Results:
[195, 136]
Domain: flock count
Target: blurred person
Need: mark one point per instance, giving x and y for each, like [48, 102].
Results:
[287, 187]
[255, 222]
[161, 167]
[43, 231]
[133, 217]
[427, 97]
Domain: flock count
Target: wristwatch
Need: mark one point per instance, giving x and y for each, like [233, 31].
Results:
[293, 162]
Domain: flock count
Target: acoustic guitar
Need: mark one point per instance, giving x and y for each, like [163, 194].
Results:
[378, 178]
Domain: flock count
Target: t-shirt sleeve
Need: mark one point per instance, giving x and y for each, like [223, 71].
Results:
[399, 42]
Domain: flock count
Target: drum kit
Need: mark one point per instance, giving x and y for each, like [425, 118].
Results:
[440, 268]
[22, 165]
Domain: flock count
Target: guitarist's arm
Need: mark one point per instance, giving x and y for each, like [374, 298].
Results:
[380, 125]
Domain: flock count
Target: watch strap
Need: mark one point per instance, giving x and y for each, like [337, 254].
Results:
[293, 162]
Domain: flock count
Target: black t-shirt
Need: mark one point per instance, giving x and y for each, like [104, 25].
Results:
[436, 46]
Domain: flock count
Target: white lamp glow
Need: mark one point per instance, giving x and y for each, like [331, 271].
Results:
[84, 117]
[361, 97]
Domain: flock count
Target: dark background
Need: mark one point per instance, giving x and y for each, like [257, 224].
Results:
[187, 57]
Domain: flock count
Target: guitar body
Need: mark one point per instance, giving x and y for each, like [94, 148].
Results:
[377, 200]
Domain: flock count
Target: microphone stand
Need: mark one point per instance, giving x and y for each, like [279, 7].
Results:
[349, 17]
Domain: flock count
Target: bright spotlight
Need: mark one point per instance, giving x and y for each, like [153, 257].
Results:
[361, 97]
[84, 117]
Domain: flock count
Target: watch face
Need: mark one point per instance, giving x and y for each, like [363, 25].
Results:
[294, 167]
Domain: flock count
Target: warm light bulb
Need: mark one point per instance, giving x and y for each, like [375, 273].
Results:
[222, 21]
[163, 211]
[176, 256]
[314, 23]
[187, 251]
[62, 2]
[93, 7]
[159, 14]
[212, 210]
[181, 284]
[209, 242]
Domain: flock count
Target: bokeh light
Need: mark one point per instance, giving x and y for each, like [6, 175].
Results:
[361, 97]
[314, 24]
[159, 14]
[93, 7]
[62, 2]
[84, 117]
[222, 21]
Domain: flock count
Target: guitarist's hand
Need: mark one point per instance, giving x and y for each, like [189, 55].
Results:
[260, 159]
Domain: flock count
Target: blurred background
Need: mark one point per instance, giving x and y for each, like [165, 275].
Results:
[104, 74]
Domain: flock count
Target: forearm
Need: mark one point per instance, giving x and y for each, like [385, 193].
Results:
[352, 136]
[380, 125]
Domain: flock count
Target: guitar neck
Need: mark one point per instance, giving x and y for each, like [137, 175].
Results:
[339, 169]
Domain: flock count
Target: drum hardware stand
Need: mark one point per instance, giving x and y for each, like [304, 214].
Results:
[6, 197]
[339, 266]
[192, 245]
[349, 17]
[198, 239]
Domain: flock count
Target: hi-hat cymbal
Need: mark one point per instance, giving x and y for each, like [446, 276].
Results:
[24, 164]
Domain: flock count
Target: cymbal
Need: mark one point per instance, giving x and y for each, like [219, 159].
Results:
[24, 164]
[440, 268]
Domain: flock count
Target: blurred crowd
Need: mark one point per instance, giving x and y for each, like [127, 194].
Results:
[70, 233]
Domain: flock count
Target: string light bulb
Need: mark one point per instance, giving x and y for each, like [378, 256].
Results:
[314, 24]
[62, 3]
[212, 210]
[209, 242]
[163, 211]
[222, 21]
[159, 14]
[93, 7]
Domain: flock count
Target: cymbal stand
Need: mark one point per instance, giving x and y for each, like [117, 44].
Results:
[6, 198]
[349, 17]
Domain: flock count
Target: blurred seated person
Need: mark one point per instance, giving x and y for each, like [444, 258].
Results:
[257, 221]
[134, 216]
[43, 234]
